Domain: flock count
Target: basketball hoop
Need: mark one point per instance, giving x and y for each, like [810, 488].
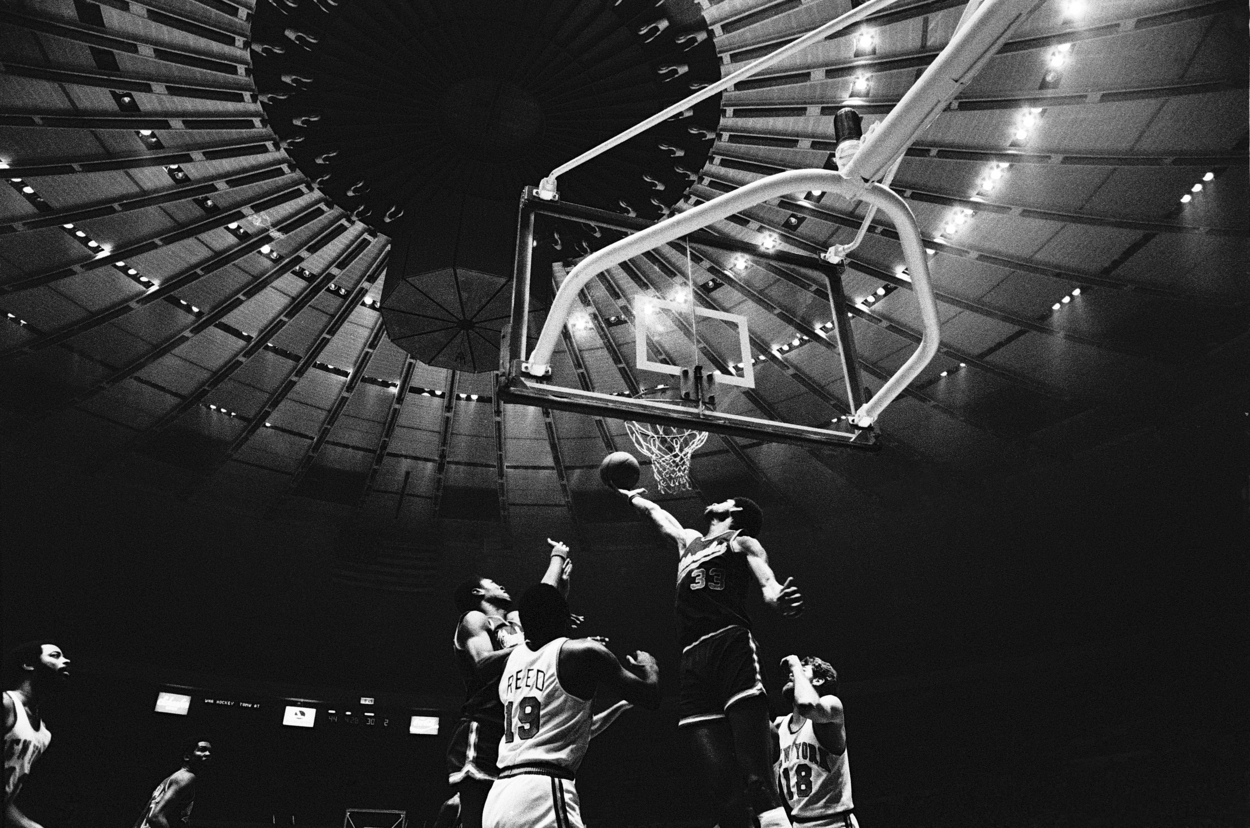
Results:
[669, 447]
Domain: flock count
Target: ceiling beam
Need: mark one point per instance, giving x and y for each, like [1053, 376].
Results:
[208, 151]
[170, 285]
[258, 204]
[129, 42]
[262, 338]
[345, 395]
[583, 376]
[223, 309]
[822, 213]
[130, 82]
[557, 461]
[501, 469]
[388, 429]
[746, 105]
[947, 199]
[207, 185]
[131, 121]
[235, 33]
[444, 442]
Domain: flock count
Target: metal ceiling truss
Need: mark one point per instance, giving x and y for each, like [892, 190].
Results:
[262, 338]
[980, 205]
[128, 43]
[324, 337]
[444, 442]
[157, 12]
[142, 160]
[1039, 99]
[976, 307]
[557, 460]
[829, 216]
[388, 430]
[1013, 377]
[130, 82]
[224, 308]
[131, 121]
[880, 18]
[921, 60]
[583, 376]
[208, 185]
[259, 204]
[345, 395]
[501, 475]
[173, 283]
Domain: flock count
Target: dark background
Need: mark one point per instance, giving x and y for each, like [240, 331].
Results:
[1063, 647]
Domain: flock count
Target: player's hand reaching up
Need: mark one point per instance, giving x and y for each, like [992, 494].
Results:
[629, 494]
[790, 600]
[643, 663]
[791, 664]
[559, 549]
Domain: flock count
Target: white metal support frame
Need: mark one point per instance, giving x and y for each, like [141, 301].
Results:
[984, 26]
[889, 202]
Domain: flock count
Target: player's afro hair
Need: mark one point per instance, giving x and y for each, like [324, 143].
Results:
[823, 671]
[750, 520]
[464, 596]
[17, 658]
[544, 611]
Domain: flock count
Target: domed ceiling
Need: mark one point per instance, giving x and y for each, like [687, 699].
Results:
[259, 256]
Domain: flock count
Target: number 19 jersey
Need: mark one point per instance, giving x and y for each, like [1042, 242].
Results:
[545, 726]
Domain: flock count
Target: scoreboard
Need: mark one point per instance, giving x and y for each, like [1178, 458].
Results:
[363, 714]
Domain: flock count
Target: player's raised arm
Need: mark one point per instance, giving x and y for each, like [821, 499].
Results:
[668, 525]
[785, 598]
[559, 567]
[808, 701]
[473, 636]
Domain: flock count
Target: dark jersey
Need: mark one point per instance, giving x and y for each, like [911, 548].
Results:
[482, 687]
[712, 585]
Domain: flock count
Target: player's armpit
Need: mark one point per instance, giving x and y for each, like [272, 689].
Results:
[473, 635]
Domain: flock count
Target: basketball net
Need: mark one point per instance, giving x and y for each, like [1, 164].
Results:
[670, 449]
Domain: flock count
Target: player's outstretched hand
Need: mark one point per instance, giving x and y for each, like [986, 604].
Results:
[599, 639]
[790, 601]
[645, 662]
[791, 664]
[559, 549]
[628, 494]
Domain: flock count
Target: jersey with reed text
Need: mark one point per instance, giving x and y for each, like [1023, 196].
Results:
[544, 724]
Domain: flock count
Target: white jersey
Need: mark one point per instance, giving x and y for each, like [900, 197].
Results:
[544, 725]
[816, 782]
[22, 746]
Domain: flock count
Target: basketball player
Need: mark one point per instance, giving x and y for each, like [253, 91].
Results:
[31, 672]
[722, 705]
[173, 799]
[547, 688]
[488, 627]
[813, 769]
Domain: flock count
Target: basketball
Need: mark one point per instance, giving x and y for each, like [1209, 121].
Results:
[619, 470]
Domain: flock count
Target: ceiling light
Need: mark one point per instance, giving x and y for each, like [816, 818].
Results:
[1066, 299]
[944, 373]
[1209, 176]
[1185, 199]
[93, 243]
[1055, 306]
[963, 365]
[145, 132]
[29, 190]
[881, 290]
[1197, 188]
[865, 40]
[68, 226]
[80, 234]
[266, 250]
[1021, 134]
[1076, 291]
[1073, 9]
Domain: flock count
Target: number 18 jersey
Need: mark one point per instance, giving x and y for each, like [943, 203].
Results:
[816, 781]
[545, 726]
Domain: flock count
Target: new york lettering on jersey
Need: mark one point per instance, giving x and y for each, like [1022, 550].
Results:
[712, 585]
[816, 781]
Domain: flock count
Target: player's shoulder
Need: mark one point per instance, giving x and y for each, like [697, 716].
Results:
[746, 544]
[10, 711]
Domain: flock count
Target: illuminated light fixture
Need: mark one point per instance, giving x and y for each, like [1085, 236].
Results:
[951, 229]
[1197, 188]
[80, 234]
[15, 180]
[194, 309]
[145, 132]
[870, 300]
[944, 373]
[881, 290]
[473, 396]
[860, 86]
[1060, 55]
[1055, 306]
[795, 343]
[930, 251]
[963, 365]
[93, 244]
[1209, 176]
[740, 262]
[769, 241]
[1185, 199]
[1076, 291]
[266, 250]
[268, 424]
[29, 190]
[865, 42]
[1073, 9]
[68, 226]
[4, 165]
[1066, 299]
[131, 271]
[234, 225]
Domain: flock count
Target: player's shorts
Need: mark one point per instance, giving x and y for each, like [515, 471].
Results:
[717, 671]
[532, 800]
[474, 751]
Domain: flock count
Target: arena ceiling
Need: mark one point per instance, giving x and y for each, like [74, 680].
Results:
[192, 308]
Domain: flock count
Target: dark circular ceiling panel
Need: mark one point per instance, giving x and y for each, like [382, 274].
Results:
[426, 120]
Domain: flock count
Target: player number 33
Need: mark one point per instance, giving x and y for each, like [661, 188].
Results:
[713, 579]
[528, 719]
